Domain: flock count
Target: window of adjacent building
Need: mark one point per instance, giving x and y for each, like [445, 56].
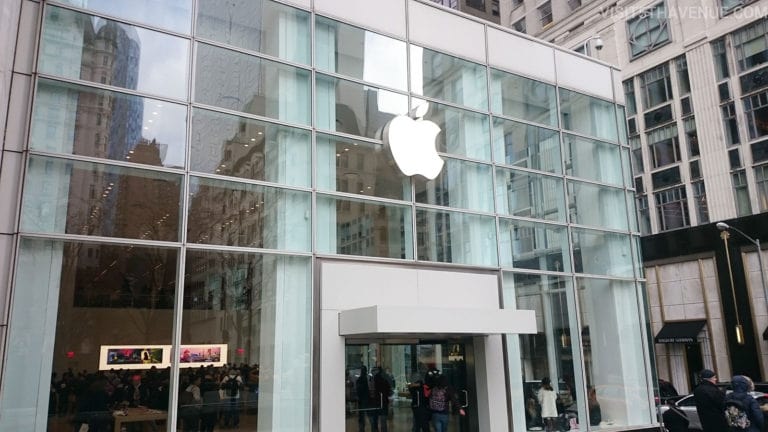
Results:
[683, 81]
[637, 154]
[750, 45]
[761, 182]
[731, 125]
[516, 3]
[476, 4]
[666, 177]
[756, 111]
[519, 25]
[545, 14]
[574, 4]
[643, 214]
[720, 57]
[691, 136]
[700, 201]
[734, 158]
[495, 7]
[648, 31]
[672, 208]
[656, 86]
[759, 151]
[664, 146]
[694, 168]
[629, 96]
[728, 6]
[741, 193]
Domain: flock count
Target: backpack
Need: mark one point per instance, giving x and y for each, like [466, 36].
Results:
[438, 399]
[232, 386]
[736, 415]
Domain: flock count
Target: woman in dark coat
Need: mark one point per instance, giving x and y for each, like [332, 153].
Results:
[741, 388]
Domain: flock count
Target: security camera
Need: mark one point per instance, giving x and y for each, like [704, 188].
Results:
[598, 44]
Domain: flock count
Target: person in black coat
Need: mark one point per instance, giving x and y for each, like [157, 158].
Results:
[710, 403]
[741, 387]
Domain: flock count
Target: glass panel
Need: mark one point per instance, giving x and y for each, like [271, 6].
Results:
[360, 54]
[603, 253]
[174, 15]
[534, 246]
[632, 212]
[621, 119]
[356, 109]
[385, 384]
[262, 26]
[592, 159]
[523, 98]
[240, 82]
[364, 228]
[79, 46]
[235, 214]
[256, 311]
[79, 120]
[460, 184]
[464, 133]
[588, 115]
[72, 197]
[441, 76]
[102, 312]
[626, 166]
[595, 205]
[553, 354]
[240, 147]
[526, 146]
[612, 337]
[454, 237]
[520, 193]
[358, 167]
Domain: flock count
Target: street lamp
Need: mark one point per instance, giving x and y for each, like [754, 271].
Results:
[724, 227]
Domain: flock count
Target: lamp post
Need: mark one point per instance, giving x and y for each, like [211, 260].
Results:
[722, 226]
[739, 329]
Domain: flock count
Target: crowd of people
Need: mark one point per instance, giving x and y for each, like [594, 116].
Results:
[718, 410]
[208, 396]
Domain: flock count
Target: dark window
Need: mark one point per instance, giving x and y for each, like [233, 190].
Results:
[667, 177]
[700, 201]
[656, 86]
[721, 59]
[632, 126]
[695, 169]
[519, 25]
[691, 136]
[477, 4]
[754, 81]
[686, 108]
[760, 151]
[672, 208]
[664, 146]
[756, 110]
[734, 157]
[658, 116]
[724, 90]
[629, 95]
[730, 123]
[639, 188]
[683, 81]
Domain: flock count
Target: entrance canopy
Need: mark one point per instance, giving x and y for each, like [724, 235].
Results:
[402, 320]
[680, 332]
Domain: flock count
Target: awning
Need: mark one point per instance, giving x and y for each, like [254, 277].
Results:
[680, 332]
[404, 320]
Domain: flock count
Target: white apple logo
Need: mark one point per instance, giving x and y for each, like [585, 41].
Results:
[412, 143]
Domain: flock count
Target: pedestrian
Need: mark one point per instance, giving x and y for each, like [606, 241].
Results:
[419, 405]
[442, 399]
[548, 401]
[710, 403]
[741, 398]
[231, 385]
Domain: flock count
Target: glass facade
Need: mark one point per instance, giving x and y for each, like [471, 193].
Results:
[183, 181]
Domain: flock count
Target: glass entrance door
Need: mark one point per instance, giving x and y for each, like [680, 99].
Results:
[388, 386]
